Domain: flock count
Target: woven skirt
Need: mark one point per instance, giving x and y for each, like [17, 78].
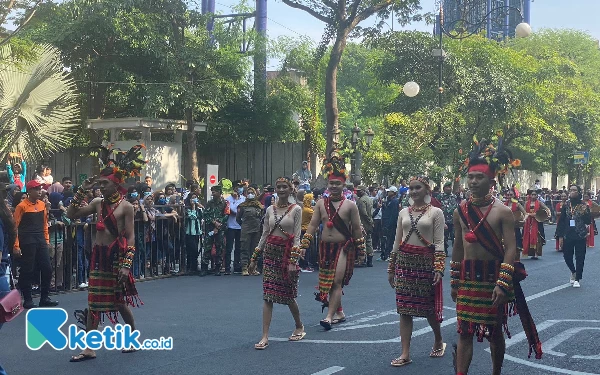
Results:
[105, 293]
[415, 294]
[474, 309]
[279, 285]
[329, 254]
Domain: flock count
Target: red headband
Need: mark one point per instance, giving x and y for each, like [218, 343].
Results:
[483, 168]
[334, 177]
[114, 179]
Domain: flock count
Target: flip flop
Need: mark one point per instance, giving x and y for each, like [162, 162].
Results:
[126, 351]
[297, 337]
[325, 324]
[338, 321]
[399, 362]
[261, 345]
[81, 357]
[438, 353]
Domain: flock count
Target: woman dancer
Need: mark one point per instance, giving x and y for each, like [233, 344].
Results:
[515, 206]
[559, 206]
[416, 267]
[279, 245]
[572, 231]
[592, 227]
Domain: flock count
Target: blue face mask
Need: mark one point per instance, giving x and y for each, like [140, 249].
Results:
[251, 196]
[147, 193]
[195, 200]
[134, 195]
[240, 191]
[162, 201]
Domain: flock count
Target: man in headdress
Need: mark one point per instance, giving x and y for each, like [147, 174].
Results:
[111, 287]
[341, 241]
[483, 263]
[215, 219]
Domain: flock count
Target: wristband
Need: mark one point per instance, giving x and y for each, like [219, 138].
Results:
[306, 241]
[295, 255]
[392, 263]
[127, 260]
[505, 277]
[255, 254]
[439, 262]
[455, 268]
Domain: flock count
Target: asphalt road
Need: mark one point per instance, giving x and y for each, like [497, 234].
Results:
[215, 321]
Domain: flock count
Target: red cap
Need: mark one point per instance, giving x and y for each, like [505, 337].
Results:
[33, 184]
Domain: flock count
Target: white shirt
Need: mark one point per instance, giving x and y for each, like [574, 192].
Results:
[233, 208]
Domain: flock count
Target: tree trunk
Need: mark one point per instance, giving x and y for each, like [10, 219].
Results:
[554, 162]
[331, 105]
[191, 147]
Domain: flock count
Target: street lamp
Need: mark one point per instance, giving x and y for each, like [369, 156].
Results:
[369, 135]
[411, 89]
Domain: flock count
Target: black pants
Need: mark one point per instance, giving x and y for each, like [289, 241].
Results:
[448, 236]
[377, 234]
[35, 256]
[233, 235]
[578, 248]
[191, 248]
[389, 235]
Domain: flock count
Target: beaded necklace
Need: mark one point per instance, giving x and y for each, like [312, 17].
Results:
[413, 223]
[280, 218]
[114, 198]
[482, 202]
[470, 236]
[329, 216]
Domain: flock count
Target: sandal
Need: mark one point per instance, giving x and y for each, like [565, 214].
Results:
[262, 345]
[399, 362]
[338, 321]
[297, 337]
[438, 353]
[81, 357]
[325, 324]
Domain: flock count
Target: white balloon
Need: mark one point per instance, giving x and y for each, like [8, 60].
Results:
[411, 89]
[523, 30]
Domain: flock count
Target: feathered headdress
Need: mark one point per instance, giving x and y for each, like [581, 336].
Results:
[494, 161]
[334, 168]
[119, 164]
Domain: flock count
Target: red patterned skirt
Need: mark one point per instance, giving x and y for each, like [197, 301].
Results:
[105, 294]
[415, 294]
[279, 285]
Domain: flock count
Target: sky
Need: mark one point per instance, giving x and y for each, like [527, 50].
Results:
[557, 14]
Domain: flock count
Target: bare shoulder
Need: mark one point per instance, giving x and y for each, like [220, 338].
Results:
[502, 209]
[96, 202]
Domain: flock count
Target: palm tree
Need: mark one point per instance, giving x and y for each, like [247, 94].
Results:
[39, 111]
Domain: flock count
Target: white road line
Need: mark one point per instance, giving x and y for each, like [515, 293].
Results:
[329, 370]
[546, 292]
[450, 308]
[544, 367]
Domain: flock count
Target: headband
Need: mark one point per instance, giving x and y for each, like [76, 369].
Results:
[422, 179]
[336, 177]
[483, 168]
[284, 179]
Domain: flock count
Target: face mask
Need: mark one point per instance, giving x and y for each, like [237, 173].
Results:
[313, 203]
[134, 195]
[147, 193]
[195, 200]
[162, 201]
[251, 196]
[240, 191]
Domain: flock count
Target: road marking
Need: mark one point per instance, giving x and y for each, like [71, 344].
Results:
[329, 370]
[544, 367]
[418, 332]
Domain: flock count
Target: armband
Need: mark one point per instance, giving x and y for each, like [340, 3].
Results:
[295, 255]
[455, 268]
[127, 260]
[306, 241]
[360, 245]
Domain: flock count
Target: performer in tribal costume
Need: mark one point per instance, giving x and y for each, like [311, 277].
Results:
[533, 231]
[111, 285]
[484, 275]
[515, 206]
[279, 245]
[592, 227]
[416, 267]
[341, 241]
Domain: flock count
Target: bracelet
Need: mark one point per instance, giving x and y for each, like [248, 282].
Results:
[439, 262]
[455, 268]
[392, 263]
[306, 241]
[505, 277]
[255, 254]
[127, 260]
[295, 255]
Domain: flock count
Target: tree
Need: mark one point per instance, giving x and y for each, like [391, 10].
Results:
[341, 18]
[39, 113]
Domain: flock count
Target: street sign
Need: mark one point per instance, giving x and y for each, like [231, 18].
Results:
[212, 172]
[581, 157]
